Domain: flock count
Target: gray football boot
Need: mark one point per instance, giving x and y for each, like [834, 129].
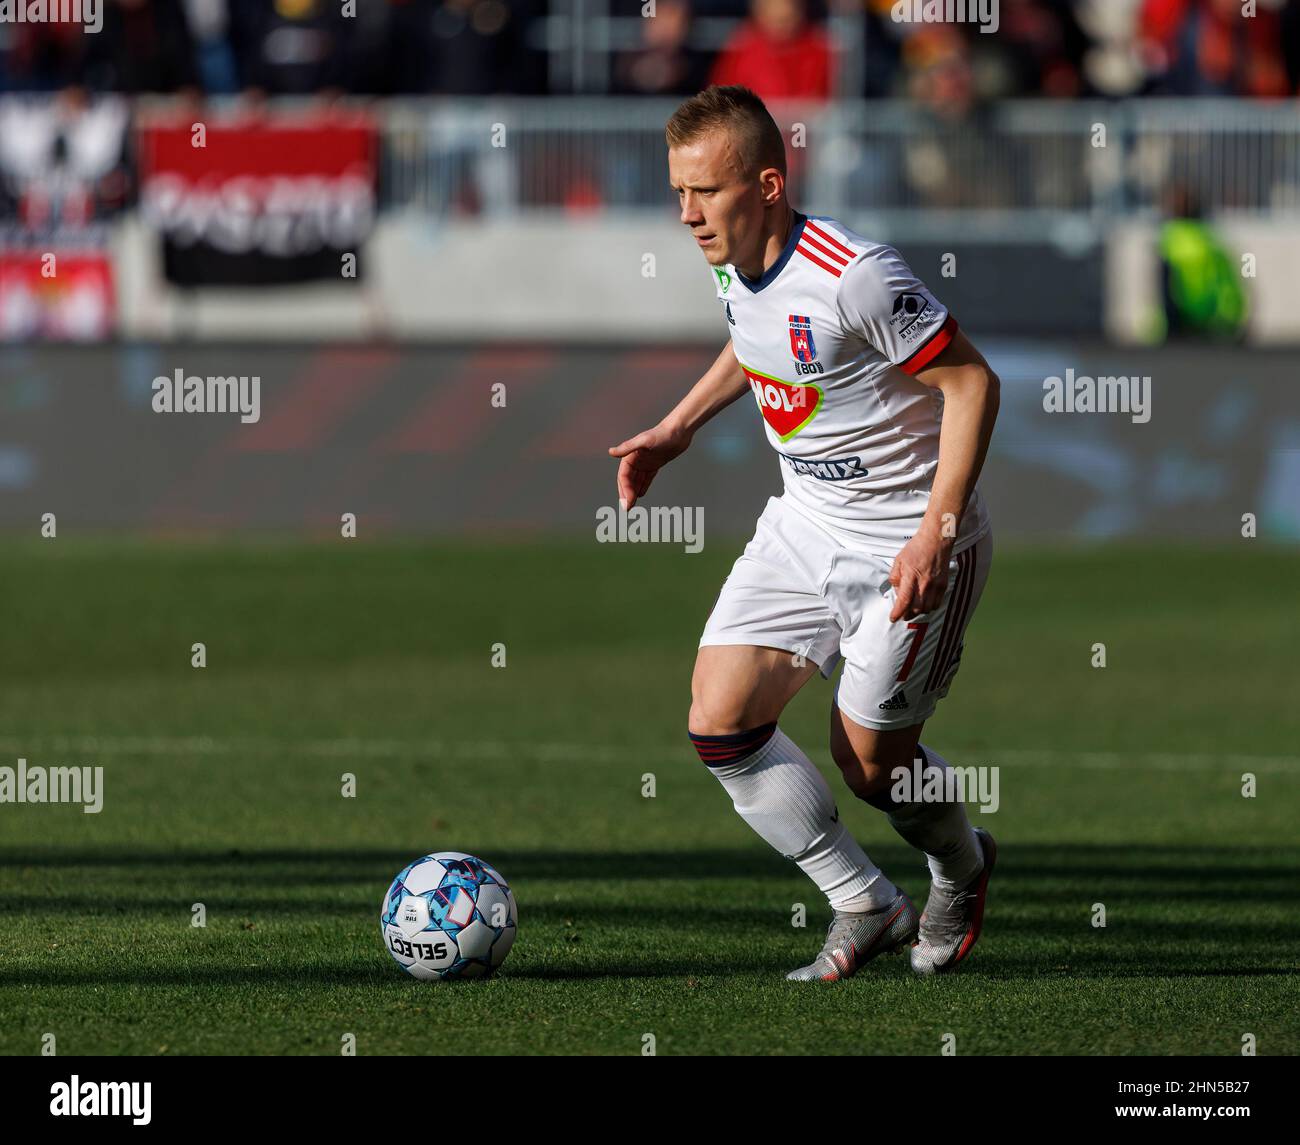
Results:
[952, 920]
[853, 940]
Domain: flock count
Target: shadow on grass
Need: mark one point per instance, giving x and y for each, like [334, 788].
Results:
[1016, 861]
[614, 927]
[988, 966]
[1038, 927]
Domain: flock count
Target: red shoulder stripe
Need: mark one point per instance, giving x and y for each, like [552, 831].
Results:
[834, 256]
[821, 234]
[808, 254]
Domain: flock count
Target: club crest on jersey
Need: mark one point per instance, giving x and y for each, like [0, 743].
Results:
[801, 338]
[786, 406]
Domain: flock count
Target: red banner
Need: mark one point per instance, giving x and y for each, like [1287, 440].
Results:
[260, 201]
[56, 296]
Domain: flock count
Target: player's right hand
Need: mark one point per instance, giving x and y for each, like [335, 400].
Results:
[643, 456]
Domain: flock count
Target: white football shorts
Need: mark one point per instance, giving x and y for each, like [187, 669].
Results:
[798, 588]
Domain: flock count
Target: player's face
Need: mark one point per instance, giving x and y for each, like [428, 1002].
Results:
[720, 203]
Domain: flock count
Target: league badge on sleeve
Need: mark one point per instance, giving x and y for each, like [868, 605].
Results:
[911, 315]
[801, 338]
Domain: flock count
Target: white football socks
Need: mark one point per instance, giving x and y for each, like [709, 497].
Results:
[941, 830]
[785, 799]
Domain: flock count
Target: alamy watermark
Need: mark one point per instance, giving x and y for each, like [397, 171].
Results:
[1079, 393]
[89, 13]
[981, 12]
[23, 784]
[77, 1098]
[672, 524]
[921, 784]
[179, 394]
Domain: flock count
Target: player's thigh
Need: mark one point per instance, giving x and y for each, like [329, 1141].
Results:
[769, 630]
[867, 756]
[736, 687]
[896, 672]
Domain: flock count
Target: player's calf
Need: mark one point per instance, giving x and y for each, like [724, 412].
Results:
[778, 791]
[873, 762]
[773, 785]
[868, 757]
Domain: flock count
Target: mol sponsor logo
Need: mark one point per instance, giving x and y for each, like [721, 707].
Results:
[786, 406]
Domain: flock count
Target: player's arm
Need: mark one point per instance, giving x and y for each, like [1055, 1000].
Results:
[970, 407]
[645, 454]
[880, 299]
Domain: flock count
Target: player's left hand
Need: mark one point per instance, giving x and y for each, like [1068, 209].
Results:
[920, 575]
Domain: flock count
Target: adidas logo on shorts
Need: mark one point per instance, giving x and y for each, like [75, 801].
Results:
[896, 703]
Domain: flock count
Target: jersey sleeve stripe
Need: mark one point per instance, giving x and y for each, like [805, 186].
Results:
[931, 348]
[821, 234]
[803, 250]
[820, 248]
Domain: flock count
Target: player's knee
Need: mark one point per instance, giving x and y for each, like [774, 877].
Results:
[710, 719]
[715, 712]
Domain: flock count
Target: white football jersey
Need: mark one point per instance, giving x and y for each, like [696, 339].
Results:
[828, 339]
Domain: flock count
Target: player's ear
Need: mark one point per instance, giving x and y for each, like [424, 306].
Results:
[771, 185]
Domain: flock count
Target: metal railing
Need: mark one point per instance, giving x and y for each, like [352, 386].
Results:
[1012, 168]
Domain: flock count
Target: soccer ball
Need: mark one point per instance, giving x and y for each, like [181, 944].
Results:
[448, 915]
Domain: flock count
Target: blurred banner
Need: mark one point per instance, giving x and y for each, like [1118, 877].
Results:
[260, 203]
[56, 296]
[64, 176]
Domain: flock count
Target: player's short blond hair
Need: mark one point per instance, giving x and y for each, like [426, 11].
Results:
[738, 110]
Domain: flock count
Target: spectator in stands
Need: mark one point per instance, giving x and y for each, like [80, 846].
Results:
[882, 49]
[145, 46]
[290, 47]
[664, 64]
[391, 47]
[1208, 47]
[777, 54]
[940, 78]
[1289, 32]
[479, 47]
[214, 57]
[45, 56]
[1037, 50]
[954, 136]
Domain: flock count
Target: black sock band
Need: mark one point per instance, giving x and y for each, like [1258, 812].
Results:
[719, 751]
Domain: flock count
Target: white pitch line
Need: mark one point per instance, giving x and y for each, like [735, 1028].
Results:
[597, 753]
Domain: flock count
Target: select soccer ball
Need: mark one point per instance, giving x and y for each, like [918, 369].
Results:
[448, 915]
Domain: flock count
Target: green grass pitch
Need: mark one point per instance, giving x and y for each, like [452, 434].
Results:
[666, 916]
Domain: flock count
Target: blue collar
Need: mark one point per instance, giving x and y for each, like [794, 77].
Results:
[755, 285]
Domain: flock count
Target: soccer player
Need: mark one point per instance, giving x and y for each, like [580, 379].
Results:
[880, 410]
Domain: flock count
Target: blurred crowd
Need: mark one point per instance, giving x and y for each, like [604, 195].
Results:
[1054, 48]
[67, 153]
